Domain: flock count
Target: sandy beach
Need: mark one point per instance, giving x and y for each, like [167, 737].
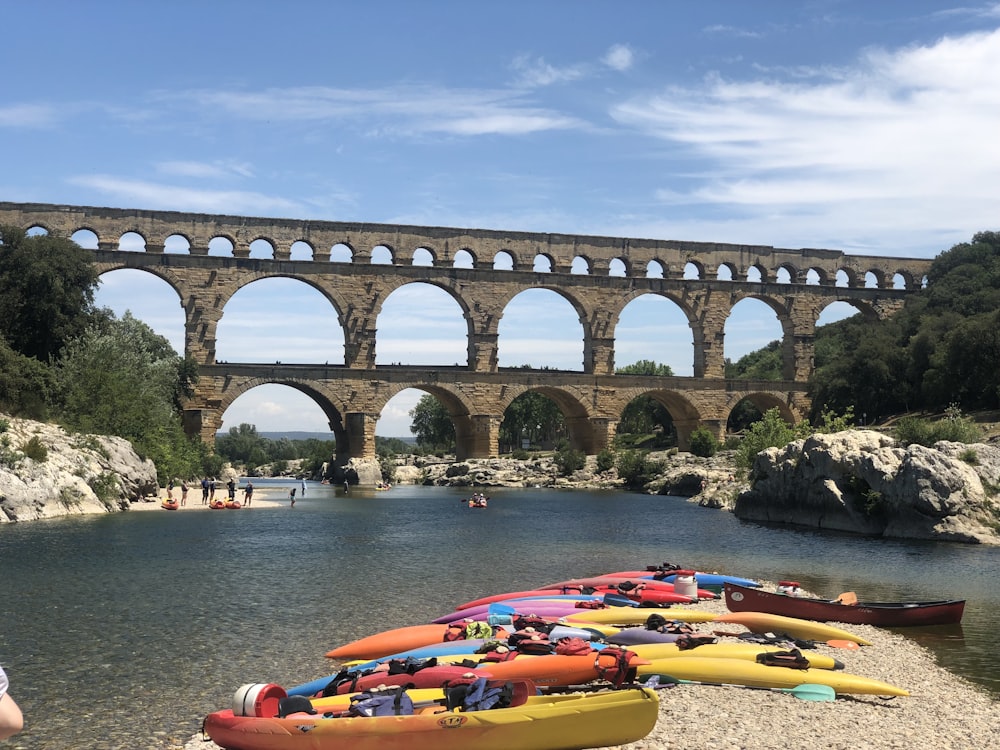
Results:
[263, 497]
[943, 711]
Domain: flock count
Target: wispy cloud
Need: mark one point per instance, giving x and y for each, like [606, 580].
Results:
[619, 57]
[27, 116]
[204, 170]
[156, 195]
[864, 147]
[396, 110]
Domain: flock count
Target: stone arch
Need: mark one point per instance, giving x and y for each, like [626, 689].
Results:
[464, 258]
[815, 276]
[383, 255]
[726, 271]
[581, 265]
[655, 270]
[757, 274]
[216, 246]
[694, 269]
[531, 325]
[467, 438]
[132, 242]
[764, 401]
[581, 433]
[784, 317]
[678, 303]
[423, 256]
[874, 279]
[325, 344]
[619, 267]
[543, 263]
[85, 238]
[341, 252]
[504, 261]
[150, 295]
[333, 407]
[414, 286]
[301, 250]
[263, 248]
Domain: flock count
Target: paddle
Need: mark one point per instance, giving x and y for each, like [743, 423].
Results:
[617, 600]
[806, 692]
[851, 645]
[848, 597]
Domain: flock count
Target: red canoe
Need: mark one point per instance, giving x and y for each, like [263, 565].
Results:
[881, 614]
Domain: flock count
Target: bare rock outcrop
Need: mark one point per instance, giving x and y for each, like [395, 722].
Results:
[46, 471]
[865, 482]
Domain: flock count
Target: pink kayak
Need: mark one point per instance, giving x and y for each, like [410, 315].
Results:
[613, 581]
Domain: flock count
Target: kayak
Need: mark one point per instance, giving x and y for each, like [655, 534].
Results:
[625, 616]
[710, 580]
[881, 614]
[414, 636]
[752, 674]
[745, 651]
[514, 606]
[612, 664]
[609, 584]
[762, 622]
[569, 721]
[545, 608]
[170, 505]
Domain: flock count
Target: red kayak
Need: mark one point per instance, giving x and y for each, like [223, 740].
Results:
[612, 664]
[614, 581]
[429, 677]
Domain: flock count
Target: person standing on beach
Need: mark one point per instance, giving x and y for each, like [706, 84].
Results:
[170, 490]
[211, 489]
[204, 491]
[11, 718]
[303, 488]
[291, 496]
[184, 492]
[248, 493]
[231, 485]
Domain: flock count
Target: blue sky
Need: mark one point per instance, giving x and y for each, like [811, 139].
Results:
[869, 127]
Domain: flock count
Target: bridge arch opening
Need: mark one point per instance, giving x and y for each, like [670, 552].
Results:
[540, 329]
[285, 407]
[503, 261]
[148, 297]
[132, 242]
[421, 324]
[177, 244]
[546, 418]
[282, 320]
[220, 247]
[654, 270]
[655, 327]
[618, 267]
[464, 259]
[341, 253]
[382, 255]
[646, 423]
[301, 251]
[581, 266]
[422, 257]
[752, 325]
[751, 408]
[542, 263]
[837, 311]
[725, 272]
[85, 238]
[261, 248]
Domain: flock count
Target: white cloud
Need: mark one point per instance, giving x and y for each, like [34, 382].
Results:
[177, 198]
[203, 170]
[904, 139]
[620, 57]
[27, 116]
[534, 72]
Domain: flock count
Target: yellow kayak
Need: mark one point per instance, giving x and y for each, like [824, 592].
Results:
[567, 721]
[634, 615]
[748, 673]
[762, 622]
[745, 651]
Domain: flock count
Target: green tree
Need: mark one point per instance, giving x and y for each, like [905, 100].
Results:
[244, 445]
[535, 417]
[703, 442]
[26, 385]
[432, 424]
[762, 364]
[121, 378]
[47, 289]
[645, 415]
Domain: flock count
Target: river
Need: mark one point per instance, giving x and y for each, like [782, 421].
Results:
[124, 630]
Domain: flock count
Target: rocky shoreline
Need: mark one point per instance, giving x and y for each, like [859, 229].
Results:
[943, 711]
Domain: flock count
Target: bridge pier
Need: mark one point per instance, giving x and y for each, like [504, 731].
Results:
[359, 427]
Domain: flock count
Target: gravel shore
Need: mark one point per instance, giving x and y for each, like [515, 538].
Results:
[943, 712]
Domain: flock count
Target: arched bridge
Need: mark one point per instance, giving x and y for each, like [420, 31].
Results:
[357, 266]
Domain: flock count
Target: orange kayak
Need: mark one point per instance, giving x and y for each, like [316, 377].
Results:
[398, 640]
[611, 664]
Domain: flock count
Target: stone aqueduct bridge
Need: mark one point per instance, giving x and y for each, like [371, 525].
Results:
[796, 284]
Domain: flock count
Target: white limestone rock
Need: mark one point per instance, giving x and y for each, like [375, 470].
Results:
[79, 473]
[865, 482]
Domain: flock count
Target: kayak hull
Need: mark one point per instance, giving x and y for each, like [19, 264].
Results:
[763, 622]
[572, 721]
[745, 651]
[881, 614]
[752, 674]
[624, 616]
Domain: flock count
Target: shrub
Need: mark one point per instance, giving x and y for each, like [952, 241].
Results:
[35, 450]
[636, 468]
[569, 460]
[704, 443]
[605, 461]
[107, 489]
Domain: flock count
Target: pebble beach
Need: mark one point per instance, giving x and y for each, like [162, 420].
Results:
[943, 711]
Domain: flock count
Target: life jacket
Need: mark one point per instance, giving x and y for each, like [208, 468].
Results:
[687, 642]
[530, 641]
[389, 702]
[480, 695]
[613, 664]
[572, 646]
[793, 659]
[591, 604]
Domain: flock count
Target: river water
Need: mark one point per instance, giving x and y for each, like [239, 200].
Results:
[124, 630]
